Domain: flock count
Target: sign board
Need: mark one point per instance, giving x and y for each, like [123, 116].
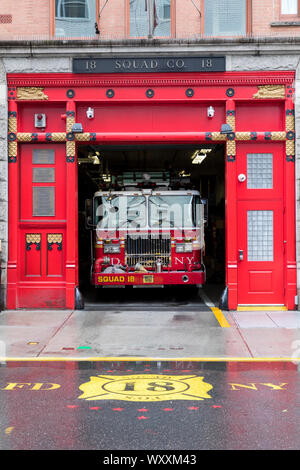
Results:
[149, 64]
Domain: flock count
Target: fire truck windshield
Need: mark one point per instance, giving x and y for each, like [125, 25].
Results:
[135, 212]
[120, 211]
[178, 211]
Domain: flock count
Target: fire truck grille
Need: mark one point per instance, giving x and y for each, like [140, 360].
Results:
[147, 250]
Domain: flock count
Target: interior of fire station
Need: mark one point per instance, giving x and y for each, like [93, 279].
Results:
[199, 167]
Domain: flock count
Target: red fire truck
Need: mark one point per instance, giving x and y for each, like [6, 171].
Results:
[147, 231]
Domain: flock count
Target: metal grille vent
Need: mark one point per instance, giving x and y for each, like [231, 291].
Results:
[147, 249]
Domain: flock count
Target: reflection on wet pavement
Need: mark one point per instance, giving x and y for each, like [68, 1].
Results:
[160, 405]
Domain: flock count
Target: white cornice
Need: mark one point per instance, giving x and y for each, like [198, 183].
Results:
[262, 46]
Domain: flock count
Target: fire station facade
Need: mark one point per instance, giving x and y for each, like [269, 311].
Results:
[252, 87]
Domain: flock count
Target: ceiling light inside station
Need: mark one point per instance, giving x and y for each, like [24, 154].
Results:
[199, 155]
[106, 178]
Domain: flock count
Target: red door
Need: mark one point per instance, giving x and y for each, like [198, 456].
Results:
[260, 224]
[42, 223]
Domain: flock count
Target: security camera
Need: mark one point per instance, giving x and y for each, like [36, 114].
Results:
[210, 112]
[90, 113]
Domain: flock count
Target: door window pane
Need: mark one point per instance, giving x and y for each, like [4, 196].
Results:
[259, 170]
[260, 235]
[162, 18]
[289, 7]
[225, 17]
[71, 9]
[138, 18]
[75, 18]
[150, 17]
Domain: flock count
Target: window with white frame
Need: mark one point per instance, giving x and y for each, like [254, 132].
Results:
[289, 7]
[225, 17]
[75, 18]
[149, 18]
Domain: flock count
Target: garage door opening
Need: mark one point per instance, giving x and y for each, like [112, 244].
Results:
[199, 168]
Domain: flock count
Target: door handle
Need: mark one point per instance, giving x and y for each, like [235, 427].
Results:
[241, 255]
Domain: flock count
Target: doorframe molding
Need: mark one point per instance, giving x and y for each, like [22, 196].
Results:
[227, 87]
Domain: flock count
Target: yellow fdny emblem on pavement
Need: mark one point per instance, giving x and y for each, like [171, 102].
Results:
[147, 387]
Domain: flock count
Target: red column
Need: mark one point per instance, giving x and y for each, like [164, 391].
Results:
[290, 218]
[231, 215]
[13, 214]
[71, 229]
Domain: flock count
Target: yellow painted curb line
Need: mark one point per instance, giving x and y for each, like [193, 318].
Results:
[220, 317]
[150, 359]
[261, 309]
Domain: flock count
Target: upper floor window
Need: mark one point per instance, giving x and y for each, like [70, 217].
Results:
[71, 9]
[150, 18]
[75, 18]
[225, 17]
[289, 7]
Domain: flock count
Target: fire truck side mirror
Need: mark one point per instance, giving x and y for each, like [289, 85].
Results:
[205, 203]
[89, 214]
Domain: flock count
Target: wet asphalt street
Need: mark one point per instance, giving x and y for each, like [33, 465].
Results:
[68, 405]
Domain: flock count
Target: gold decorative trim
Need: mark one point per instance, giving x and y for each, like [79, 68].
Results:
[70, 122]
[70, 148]
[24, 137]
[278, 135]
[230, 147]
[218, 136]
[231, 121]
[84, 137]
[12, 149]
[289, 123]
[31, 93]
[33, 238]
[27, 137]
[12, 124]
[270, 91]
[243, 136]
[290, 147]
[58, 137]
[54, 237]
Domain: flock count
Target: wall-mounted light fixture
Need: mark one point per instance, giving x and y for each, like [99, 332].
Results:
[226, 129]
[210, 112]
[90, 113]
[77, 128]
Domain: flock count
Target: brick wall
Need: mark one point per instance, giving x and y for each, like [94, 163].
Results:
[187, 19]
[113, 21]
[267, 20]
[26, 19]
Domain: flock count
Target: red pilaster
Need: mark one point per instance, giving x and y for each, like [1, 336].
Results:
[290, 221]
[231, 221]
[13, 219]
[71, 229]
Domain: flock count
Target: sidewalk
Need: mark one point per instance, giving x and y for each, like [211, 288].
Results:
[189, 332]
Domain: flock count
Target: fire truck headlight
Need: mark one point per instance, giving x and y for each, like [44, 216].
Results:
[179, 248]
[188, 247]
[112, 248]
